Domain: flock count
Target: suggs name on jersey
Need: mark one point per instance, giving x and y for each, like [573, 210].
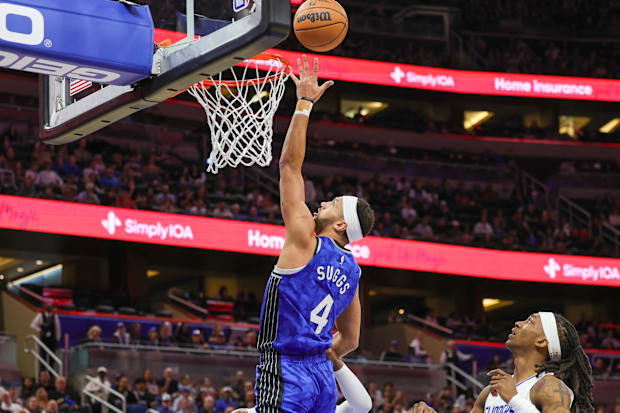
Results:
[331, 273]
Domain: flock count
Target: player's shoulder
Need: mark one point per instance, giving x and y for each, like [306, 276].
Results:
[549, 389]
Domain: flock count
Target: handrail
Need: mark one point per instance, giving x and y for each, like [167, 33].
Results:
[611, 234]
[470, 378]
[529, 181]
[428, 323]
[188, 303]
[105, 402]
[40, 359]
[585, 217]
[27, 291]
[263, 180]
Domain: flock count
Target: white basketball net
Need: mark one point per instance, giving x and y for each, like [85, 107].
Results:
[240, 113]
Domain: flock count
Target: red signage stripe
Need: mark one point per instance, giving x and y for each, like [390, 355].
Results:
[93, 221]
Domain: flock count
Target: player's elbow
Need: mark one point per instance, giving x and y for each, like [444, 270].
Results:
[351, 343]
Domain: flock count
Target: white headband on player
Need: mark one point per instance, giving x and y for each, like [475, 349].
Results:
[349, 210]
[550, 328]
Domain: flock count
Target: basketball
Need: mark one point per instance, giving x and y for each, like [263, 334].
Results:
[321, 25]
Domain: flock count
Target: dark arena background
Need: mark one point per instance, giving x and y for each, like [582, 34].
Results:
[485, 134]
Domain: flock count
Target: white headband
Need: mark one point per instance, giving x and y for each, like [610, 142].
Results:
[550, 328]
[349, 210]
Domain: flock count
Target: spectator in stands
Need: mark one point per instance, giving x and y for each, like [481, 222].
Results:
[32, 405]
[226, 399]
[52, 407]
[168, 384]
[222, 211]
[151, 386]
[48, 177]
[183, 335]
[45, 381]
[7, 405]
[153, 337]
[123, 388]
[64, 395]
[495, 363]
[94, 334]
[185, 395]
[184, 407]
[599, 369]
[246, 305]
[42, 399]
[391, 353]
[249, 341]
[121, 336]
[135, 334]
[143, 395]
[483, 228]
[88, 196]
[223, 294]
[218, 339]
[208, 405]
[238, 385]
[413, 357]
[165, 334]
[28, 388]
[47, 324]
[166, 404]
[424, 229]
[13, 389]
[196, 339]
[100, 387]
[610, 342]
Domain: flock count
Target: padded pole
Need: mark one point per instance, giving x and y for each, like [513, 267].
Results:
[189, 4]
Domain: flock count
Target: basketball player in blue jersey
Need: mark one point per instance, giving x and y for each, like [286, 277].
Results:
[314, 285]
[552, 373]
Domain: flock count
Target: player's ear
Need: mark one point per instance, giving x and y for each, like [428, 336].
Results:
[340, 226]
[541, 344]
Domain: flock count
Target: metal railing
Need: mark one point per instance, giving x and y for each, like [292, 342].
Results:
[36, 351]
[429, 324]
[189, 304]
[611, 235]
[263, 180]
[456, 376]
[574, 212]
[110, 406]
[529, 184]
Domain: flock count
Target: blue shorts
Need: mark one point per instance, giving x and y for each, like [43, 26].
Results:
[295, 384]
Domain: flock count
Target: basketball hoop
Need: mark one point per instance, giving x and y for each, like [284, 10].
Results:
[240, 110]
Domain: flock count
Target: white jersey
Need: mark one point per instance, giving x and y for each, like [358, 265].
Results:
[495, 404]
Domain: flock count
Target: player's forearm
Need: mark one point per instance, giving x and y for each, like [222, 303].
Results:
[294, 148]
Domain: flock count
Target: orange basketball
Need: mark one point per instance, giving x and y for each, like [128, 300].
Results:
[321, 25]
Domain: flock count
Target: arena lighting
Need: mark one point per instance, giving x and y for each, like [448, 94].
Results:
[37, 274]
[571, 125]
[610, 126]
[39, 262]
[490, 304]
[472, 118]
[20, 269]
[401, 311]
[1, 277]
[152, 273]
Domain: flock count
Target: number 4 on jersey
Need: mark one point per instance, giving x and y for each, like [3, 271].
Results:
[325, 306]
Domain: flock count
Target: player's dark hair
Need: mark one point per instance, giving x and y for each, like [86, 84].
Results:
[573, 368]
[366, 216]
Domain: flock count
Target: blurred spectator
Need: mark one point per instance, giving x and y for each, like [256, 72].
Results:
[52, 407]
[143, 395]
[100, 387]
[391, 353]
[165, 334]
[121, 336]
[238, 385]
[495, 363]
[223, 294]
[166, 404]
[123, 388]
[64, 395]
[27, 389]
[151, 386]
[7, 404]
[222, 211]
[196, 339]
[423, 229]
[135, 334]
[45, 381]
[168, 384]
[226, 399]
[47, 324]
[42, 399]
[183, 335]
[32, 405]
[610, 342]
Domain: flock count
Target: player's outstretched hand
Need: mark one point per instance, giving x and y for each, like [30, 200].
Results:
[421, 407]
[503, 384]
[333, 357]
[307, 82]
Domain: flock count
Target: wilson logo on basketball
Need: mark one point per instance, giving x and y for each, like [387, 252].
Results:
[315, 17]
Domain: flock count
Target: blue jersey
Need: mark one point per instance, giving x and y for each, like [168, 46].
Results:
[301, 305]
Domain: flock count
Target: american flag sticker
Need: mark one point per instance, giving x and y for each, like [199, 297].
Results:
[239, 5]
[78, 85]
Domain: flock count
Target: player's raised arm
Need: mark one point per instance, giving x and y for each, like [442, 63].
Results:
[297, 217]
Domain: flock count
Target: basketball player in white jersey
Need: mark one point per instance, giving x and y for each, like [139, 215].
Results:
[552, 372]
[357, 398]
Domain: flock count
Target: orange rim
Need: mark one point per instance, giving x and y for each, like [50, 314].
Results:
[207, 83]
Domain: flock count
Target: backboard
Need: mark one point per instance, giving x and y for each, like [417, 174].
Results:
[112, 45]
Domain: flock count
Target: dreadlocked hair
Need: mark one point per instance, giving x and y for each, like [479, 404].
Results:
[573, 368]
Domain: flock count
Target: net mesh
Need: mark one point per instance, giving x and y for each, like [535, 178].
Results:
[240, 112]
